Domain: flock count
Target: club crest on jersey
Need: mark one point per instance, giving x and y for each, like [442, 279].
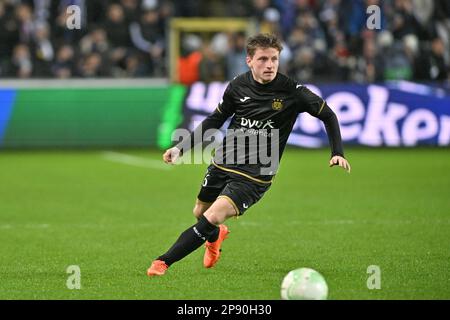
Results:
[277, 104]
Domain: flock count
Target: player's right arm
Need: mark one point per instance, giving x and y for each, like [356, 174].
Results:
[171, 155]
[215, 120]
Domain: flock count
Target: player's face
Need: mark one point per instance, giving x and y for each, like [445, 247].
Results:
[264, 64]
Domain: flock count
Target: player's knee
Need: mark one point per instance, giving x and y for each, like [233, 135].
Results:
[198, 210]
[218, 214]
[215, 217]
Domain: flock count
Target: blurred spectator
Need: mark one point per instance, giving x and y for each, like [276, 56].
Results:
[118, 37]
[95, 41]
[63, 67]
[60, 33]
[270, 21]
[24, 16]
[302, 67]
[259, 7]
[43, 50]
[423, 11]
[212, 66]
[236, 56]
[134, 67]
[323, 40]
[239, 8]
[432, 62]
[216, 8]
[41, 10]
[370, 66]
[92, 66]
[441, 10]
[220, 43]
[116, 27]
[404, 22]
[187, 8]
[166, 12]
[397, 64]
[285, 55]
[147, 36]
[9, 33]
[189, 61]
[287, 10]
[22, 65]
[131, 9]
[94, 9]
[340, 60]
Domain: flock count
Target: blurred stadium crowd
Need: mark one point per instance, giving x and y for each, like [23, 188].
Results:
[324, 40]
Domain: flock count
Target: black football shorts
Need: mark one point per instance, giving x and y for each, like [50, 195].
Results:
[239, 190]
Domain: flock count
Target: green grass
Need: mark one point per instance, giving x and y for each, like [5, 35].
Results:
[76, 208]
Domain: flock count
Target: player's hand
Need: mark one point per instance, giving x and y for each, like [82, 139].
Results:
[341, 162]
[171, 155]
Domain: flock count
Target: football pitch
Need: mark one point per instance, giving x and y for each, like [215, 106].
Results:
[111, 213]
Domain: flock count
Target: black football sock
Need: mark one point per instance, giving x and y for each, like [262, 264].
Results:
[215, 235]
[189, 240]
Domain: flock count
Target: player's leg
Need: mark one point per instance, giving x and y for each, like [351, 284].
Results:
[212, 185]
[217, 214]
[242, 193]
[237, 196]
[200, 208]
[193, 237]
[221, 210]
[196, 235]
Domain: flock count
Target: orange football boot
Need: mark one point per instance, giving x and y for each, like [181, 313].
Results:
[158, 268]
[212, 253]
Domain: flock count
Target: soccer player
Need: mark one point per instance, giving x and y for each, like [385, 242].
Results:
[262, 103]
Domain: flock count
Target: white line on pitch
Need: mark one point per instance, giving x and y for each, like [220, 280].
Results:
[135, 161]
[26, 226]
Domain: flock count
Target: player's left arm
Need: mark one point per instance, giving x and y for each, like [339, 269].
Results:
[334, 136]
[318, 108]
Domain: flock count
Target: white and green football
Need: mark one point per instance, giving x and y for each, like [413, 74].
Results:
[304, 284]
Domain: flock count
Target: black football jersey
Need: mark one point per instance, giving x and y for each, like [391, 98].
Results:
[263, 116]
